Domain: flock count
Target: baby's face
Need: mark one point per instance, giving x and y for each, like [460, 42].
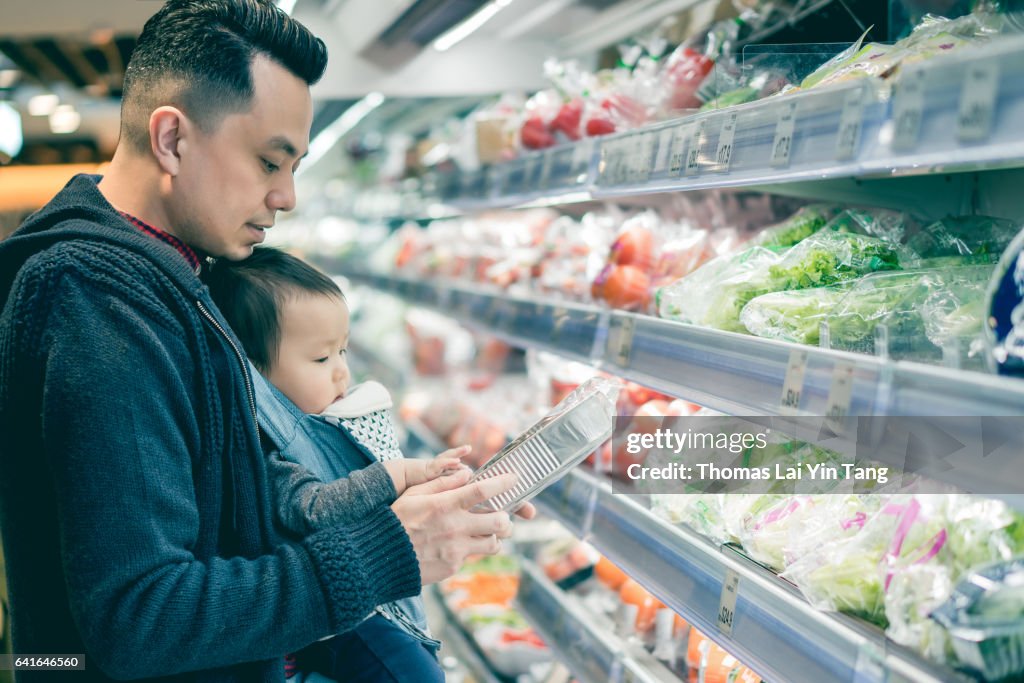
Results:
[311, 368]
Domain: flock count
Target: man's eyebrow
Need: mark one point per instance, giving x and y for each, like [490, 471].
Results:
[284, 143]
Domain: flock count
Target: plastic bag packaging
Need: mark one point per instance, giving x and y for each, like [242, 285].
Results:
[827, 258]
[851, 575]
[715, 294]
[978, 239]
[797, 227]
[912, 595]
[953, 313]
[984, 617]
[770, 524]
[794, 316]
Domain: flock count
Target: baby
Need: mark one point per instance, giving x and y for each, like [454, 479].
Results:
[293, 323]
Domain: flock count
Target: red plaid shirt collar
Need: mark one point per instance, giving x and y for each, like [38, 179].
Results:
[188, 252]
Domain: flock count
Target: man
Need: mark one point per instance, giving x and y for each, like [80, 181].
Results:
[134, 505]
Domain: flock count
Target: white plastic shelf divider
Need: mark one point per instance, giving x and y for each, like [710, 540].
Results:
[774, 630]
[959, 112]
[590, 652]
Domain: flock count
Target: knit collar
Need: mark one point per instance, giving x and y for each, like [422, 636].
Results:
[188, 252]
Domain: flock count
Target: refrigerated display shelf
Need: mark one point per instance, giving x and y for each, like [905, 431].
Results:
[770, 626]
[457, 643]
[748, 376]
[952, 114]
[734, 373]
[592, 653]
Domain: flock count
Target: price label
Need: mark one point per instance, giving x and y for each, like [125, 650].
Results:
[907, 109]
[643, 158]
[978, 101]
[696, 148]
[559, 317]
[665, 140]
[620, 339]
[531, 173]
[581, 153]
[677, 152]
[848, 138]
[793, 385]
[870, 665]
[723, 156]
[782, 145]
[727, 602]
[840, 393]
[544, 177]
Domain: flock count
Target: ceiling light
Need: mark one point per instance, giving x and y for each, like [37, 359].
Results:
[43, 105]
[461, 31]
[64, 119]
[330, 135]
[286, 6]
[10, 131]
[8, 77]
[534, 18]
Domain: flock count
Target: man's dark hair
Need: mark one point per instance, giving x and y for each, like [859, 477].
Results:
[252, 292]
[197, 55]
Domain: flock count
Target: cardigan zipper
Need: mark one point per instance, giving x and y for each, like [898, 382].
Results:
[241, 359]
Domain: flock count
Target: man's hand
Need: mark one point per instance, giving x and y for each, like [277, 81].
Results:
[443, 531]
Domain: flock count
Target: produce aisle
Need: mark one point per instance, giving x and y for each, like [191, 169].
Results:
[818, 239]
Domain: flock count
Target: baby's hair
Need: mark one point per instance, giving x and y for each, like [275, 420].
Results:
[252, 292]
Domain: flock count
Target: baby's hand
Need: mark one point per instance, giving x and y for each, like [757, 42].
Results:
[445, 463]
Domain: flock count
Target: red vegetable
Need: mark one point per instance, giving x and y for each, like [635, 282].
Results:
[568, 119]
[635, 247]
[535, 135]
[627, 287]
[599, 125]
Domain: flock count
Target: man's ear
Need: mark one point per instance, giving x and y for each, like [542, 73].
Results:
[168, 129]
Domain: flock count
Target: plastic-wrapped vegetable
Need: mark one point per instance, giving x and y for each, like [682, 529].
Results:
[984, 618]
[800, 225]
[827, 258]
[714, 294]
[794, 316]
[913, 594]
[979, 239]
[770, 524]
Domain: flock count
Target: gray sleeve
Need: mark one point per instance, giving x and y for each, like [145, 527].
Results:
[305, 504]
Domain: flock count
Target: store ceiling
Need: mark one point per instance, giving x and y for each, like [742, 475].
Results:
[78, 49]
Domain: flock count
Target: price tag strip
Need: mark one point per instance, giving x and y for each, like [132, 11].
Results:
[907, 108]
[782, 145]
[544, 181]
[850, 121]
[677, 153]
[727, 602]
[793, 385]
[723, 156]
[840, 394]
[666, 138]
[581, 153]
[978, 101]
[620, 339]
[696, 148]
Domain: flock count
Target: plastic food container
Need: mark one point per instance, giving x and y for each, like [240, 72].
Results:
[573, 429]
[984, 619]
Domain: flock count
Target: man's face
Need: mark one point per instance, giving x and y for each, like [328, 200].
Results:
[233, 180]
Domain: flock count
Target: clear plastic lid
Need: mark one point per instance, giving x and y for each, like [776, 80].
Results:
[573, 429]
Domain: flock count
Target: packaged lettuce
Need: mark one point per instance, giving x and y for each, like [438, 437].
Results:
[797, 227]
[827, 258]
[794, 316]
[714, 294]
[882, 224]
[975, 239]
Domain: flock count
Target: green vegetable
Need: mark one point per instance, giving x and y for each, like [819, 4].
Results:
[794, 316]
[797, 227]
[830, 257]
[733, 97]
